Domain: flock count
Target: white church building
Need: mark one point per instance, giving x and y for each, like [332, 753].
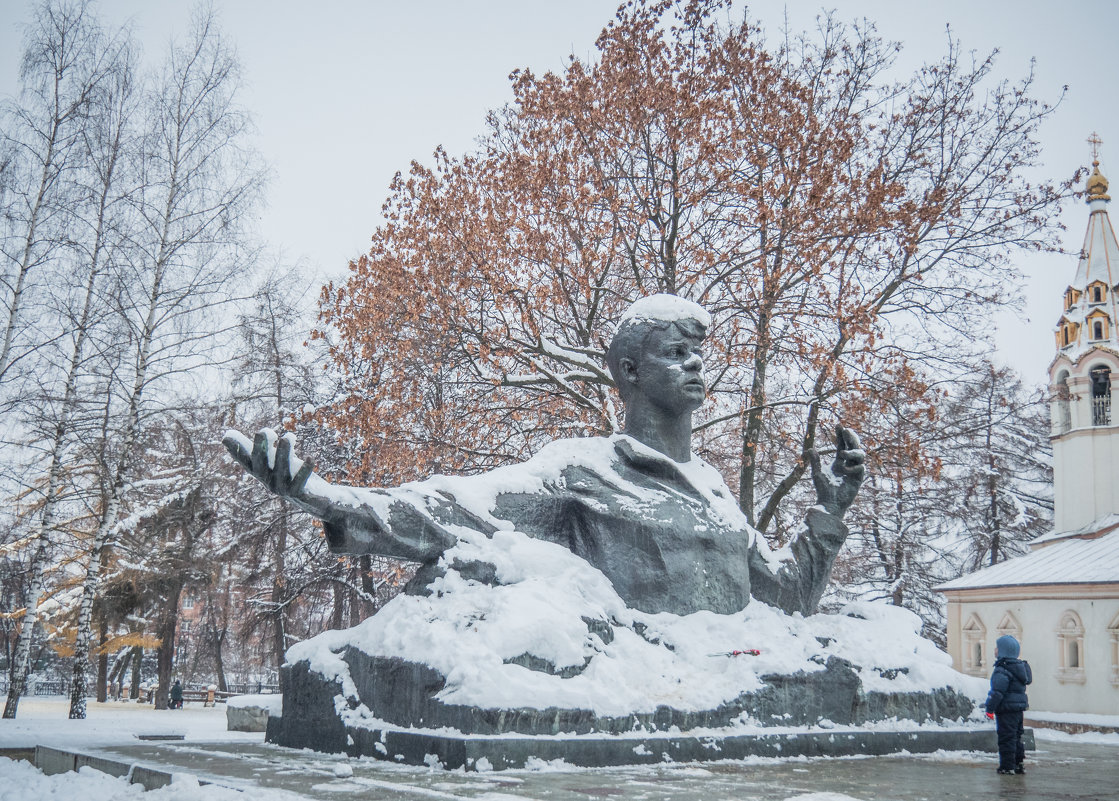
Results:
[1061, 600]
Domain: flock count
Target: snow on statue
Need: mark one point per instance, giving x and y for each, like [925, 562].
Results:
[656, 520]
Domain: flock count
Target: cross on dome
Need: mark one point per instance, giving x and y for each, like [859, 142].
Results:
[1094, 141]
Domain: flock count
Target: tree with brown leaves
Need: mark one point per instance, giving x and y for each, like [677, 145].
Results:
[832, 220]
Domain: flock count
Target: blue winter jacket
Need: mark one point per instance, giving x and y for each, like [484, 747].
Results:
[1008, 685]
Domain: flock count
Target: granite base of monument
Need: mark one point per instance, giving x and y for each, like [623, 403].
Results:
[396, 715]
[454, 751]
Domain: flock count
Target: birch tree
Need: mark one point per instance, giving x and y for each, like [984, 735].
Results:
[84, 139]
[198, 183]
[67, 57]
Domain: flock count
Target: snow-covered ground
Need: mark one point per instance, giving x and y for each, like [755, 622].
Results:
[43, 721]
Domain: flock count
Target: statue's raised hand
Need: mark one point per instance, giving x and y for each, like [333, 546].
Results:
[270, 460]
[836, 488]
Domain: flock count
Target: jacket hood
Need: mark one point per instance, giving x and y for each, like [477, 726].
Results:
[1016, 667]
[1007, 646]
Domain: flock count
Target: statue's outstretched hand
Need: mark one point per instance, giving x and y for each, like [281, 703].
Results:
[270, 460]
[836, 488]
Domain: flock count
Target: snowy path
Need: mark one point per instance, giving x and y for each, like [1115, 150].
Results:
[1082, 767]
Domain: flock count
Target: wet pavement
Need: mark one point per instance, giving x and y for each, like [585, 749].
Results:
[1059, 770]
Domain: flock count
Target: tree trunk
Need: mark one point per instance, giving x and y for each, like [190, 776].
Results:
[137, 673]
[338, 608]
[99, 557]
[166, 652]
[22, 661]
[369, 602]
[102, 661]
[752, 425]
[279, 621]
[219, 662]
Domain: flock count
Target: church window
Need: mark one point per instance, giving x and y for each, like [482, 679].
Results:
[1010, 625]
[1070, 646]
[1097, 330]
[1101, 395]
[1097, 294]
[974, 646]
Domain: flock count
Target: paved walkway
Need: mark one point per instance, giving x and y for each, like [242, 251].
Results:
[1058, 771]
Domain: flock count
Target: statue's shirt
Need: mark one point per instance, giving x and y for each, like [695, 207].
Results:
[669, 536]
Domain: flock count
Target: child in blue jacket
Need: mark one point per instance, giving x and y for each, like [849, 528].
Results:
[1007, 701]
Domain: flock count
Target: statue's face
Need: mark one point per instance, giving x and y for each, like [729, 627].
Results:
[670, 370]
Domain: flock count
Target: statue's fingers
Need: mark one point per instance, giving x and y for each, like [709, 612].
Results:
[851, 461]
[237, 450]
[300, 479]
[846, 439]
[281, 471]
[260, 455]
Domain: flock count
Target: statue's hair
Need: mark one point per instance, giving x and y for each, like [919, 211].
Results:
[631, 337]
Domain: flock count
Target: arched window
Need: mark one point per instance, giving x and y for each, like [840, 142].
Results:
[1097, 330]
[1070, 647]
[974, 646]
[1097, 294]
[1101, 395]
[1064, 336]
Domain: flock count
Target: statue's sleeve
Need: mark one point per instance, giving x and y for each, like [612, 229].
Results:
[393, 523]
[418, 521]
[796, 582]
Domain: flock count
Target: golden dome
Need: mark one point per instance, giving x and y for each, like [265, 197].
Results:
[1097, 184]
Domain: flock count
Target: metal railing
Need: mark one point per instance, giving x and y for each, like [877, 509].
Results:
[39, 687]
[1101, 411]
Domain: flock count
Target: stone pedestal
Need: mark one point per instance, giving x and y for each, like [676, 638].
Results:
[251, 712]
[397, 716]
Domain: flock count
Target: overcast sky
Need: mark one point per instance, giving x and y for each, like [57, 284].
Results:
[347, 92]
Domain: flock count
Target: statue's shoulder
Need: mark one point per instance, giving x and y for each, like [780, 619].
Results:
[559, 457]
[546, 471]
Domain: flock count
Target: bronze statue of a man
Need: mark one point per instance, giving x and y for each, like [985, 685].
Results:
[659, 522]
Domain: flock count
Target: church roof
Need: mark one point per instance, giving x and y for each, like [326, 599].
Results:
[1102, 525]
[1099, 262]
[1069, 561]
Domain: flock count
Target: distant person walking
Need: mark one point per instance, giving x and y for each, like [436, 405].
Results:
[1007, 701]
[177, 695]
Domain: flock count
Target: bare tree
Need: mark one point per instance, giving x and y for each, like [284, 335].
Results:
[82, 135]
[198, 182]
[1001, 463]
[66, 60]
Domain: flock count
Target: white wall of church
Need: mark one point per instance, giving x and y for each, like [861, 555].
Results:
[1085, 473]
[1072, 645]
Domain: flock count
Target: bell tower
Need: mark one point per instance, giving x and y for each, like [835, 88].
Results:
[1085, 429]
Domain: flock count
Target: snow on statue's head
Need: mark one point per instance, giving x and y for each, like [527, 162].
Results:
[646, 315]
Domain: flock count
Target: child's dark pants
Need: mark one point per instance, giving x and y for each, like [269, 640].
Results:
[1011, 750]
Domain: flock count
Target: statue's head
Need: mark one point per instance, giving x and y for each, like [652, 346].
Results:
[656, 353]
